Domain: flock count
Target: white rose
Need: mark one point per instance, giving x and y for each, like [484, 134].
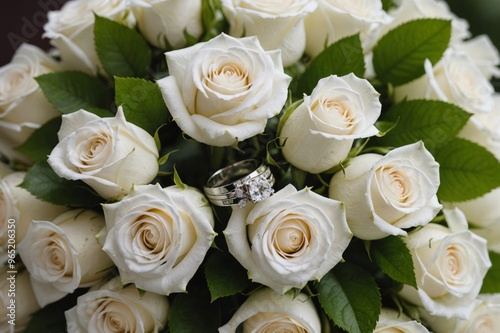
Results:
[71, 30]
[63, 254]
[288, 239]
[455, 79]
[20, 95]
[109, 154]
[117, 308]
[284, 18]
[391, 321]
[164, 22]
[320, 132]
[485, 318]
[267, 311]
[224, 90]
[450, 264]
[336, 19]
[21, 311]
[483, 53]
[19, 207]
[158, 237]
[384, 195]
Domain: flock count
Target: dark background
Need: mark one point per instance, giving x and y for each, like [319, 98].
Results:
[23, 20]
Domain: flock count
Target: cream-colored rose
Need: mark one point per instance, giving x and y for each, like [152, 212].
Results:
[16, 299]
[18, 208]
[392, 321]
[485, 318]
[288, 239]
[277, 24]
[23, 108]
[384, 195]
[109, 154]
[117, 308]
[158, 237]
[483, 53]
[455, 79]
[336, 19]
[223, 91]
[267, 311]
[164, 22]
[320, 132]
[63, 254]
[71, 30]
[450, 265]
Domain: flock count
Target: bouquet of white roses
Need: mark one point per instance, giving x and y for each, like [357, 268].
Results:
[251, 166]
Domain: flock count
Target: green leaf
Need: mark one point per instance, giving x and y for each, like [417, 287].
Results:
[350, 298]
[491, 282]
[342, 57]
[433, 122]
[467, 170]
[46, 185]
[225, 276]
[142, 103]
[212, 20]
[71, 91]
[121, 50]
[394, 259]
[192, 312]
[399, 56]
[42, 141]
[388, 4]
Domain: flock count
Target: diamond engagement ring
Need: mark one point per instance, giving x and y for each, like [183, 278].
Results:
[239, 183]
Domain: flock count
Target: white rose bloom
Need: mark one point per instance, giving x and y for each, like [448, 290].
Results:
[267, 311]
[455, 79]
[22, 207]
[450, 265]
[20, 95]
[224, 90]
[164, 22]
[21, 311]
[288, 239]
[384, 195]
[483, 53]
[117, 308]
[336, 19]
[392, 321]
[71, 30]
[320, 132]
[109, 154]
[485, 318]
[63, 254]
[158, 237]
[277, 24]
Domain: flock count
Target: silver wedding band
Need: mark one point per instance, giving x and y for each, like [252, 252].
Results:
[239, 183]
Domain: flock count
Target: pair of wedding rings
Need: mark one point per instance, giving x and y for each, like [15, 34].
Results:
[240, 183]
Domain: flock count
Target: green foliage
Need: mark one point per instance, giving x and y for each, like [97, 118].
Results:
[467, 170]
[225, 276]
[46, 185]
[433, 122]
[42, 141]
[394, 259]
[121, 50]
[350, 298]
[211, 18]
[491, 282]
[71, 91]
[342, 57]
[142, 103]
[399, 56]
